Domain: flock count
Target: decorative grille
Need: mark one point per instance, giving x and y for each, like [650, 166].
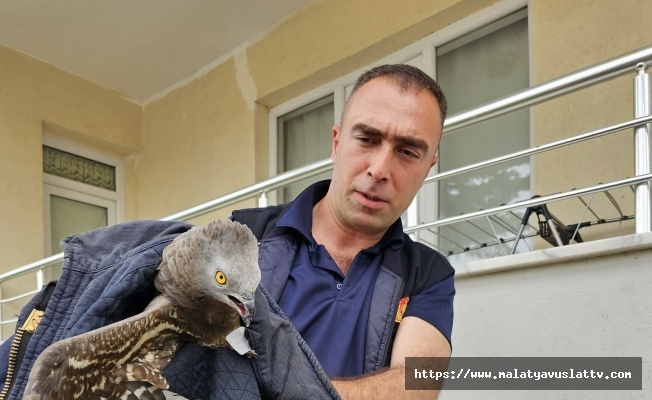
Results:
[79, 169]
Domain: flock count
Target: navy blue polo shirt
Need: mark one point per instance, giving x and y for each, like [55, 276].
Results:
[331, 313]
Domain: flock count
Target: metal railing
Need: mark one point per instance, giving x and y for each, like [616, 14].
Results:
[635, 62]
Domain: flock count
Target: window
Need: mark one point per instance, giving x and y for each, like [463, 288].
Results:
[480, 67]
[477, 60]
[304, 137]
[81, 189]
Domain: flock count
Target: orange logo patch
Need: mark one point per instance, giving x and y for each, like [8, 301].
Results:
[402, 305]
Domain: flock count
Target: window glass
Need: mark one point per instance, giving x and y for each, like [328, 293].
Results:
[70, 216]
[478, 68]
[304, 137]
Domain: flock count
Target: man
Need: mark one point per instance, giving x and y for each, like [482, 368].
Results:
[339, 257]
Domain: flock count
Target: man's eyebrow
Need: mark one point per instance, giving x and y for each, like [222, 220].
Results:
[368, 130]
[414, 142]
[406, 140]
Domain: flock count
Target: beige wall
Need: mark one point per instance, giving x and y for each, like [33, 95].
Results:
[198, 144]
[334, 37]
[210, 137]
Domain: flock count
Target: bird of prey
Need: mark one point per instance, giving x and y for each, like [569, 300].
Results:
[207, 280]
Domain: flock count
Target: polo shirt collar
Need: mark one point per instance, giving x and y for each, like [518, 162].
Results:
[299, 218]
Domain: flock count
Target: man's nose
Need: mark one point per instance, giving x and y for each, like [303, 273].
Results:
[380, 164]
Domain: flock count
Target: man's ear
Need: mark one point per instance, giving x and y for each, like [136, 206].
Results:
[435, 160]
[336, 140]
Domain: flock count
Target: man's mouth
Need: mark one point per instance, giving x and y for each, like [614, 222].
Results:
[371, 197]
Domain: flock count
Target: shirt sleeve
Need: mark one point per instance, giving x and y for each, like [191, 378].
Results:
[435, 305]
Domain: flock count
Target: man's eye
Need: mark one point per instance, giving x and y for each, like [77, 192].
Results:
[410, 154]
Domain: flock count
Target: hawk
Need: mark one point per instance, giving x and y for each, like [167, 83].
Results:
[207, 280]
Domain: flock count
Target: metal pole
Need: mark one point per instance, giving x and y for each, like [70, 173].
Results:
[642, 148]
[517, 239]
[553, 229]
[262, 199]
[279, 181]
[2, 336]
[40, 279]
[548, 90]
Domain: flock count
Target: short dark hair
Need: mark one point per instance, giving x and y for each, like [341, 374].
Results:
[406, 77]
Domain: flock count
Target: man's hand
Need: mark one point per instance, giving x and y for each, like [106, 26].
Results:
[414, 338]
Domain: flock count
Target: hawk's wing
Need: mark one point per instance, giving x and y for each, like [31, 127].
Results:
[100, 363]
[141, 391]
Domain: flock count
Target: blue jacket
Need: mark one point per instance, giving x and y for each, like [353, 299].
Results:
[108, 275]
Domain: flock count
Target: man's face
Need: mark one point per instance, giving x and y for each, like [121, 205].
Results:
[381, 154]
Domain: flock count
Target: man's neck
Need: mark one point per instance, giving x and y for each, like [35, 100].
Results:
[342, 242]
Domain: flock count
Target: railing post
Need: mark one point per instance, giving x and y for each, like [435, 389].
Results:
[412, 214]
[262, 200]
[2, 305]
[642, 147]
[40, 279]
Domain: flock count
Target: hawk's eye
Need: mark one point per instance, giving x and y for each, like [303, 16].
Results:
[220, 278]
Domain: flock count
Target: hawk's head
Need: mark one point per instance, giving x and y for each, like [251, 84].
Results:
[212, 264]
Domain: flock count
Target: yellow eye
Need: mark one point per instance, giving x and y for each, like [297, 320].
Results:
[220, 278]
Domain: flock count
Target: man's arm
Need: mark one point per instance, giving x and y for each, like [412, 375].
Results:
[414, 338]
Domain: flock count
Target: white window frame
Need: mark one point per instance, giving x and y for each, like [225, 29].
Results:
[426, 48]
[55, 185]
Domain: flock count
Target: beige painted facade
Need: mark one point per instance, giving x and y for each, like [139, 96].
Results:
[33, 96]
[210, 137]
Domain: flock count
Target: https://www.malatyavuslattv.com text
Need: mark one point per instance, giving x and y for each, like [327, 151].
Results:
[526, 373]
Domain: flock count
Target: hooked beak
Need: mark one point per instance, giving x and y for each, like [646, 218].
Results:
[244, 307]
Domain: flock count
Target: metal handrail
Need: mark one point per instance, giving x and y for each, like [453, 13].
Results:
[277, 182]
[534, 95]
[540, 149]
[554, 88]
[35, 266]
[532, 202]
[20, 296]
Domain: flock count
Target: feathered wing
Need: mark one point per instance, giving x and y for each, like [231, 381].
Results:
[137, 391]
[100, 363]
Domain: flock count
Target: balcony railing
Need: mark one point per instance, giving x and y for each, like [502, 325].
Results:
[634, 63]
